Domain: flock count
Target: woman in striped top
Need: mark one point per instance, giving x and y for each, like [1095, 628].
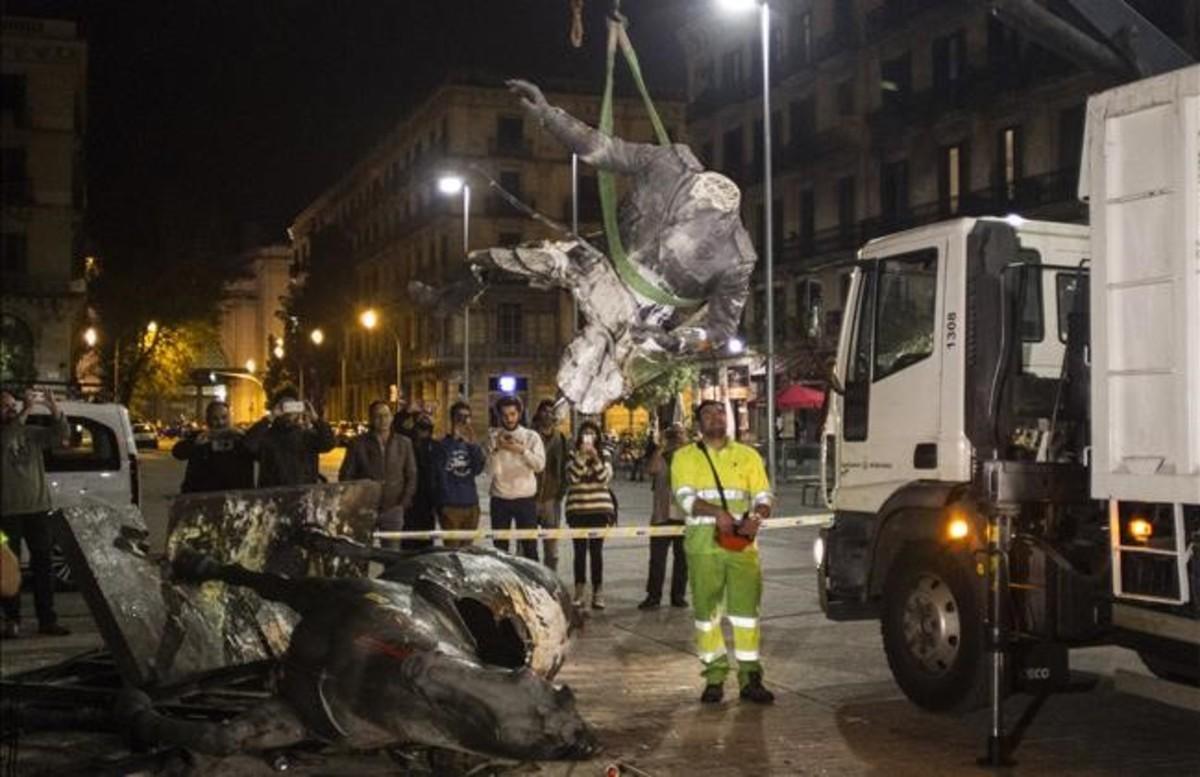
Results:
[589, 505]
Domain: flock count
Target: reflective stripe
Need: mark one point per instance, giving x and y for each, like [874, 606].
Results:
[701, 520]
[685, 503]
[714, 496]
[683, 491]
[708, 658]
[742, 622]
[764, 498]
[705, 626]
[745, 655]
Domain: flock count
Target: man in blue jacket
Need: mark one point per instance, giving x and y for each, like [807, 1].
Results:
[458, 460]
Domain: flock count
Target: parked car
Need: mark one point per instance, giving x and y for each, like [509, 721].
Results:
[101, 463]
[145, 435]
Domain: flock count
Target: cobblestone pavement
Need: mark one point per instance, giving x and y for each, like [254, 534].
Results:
[837, 711]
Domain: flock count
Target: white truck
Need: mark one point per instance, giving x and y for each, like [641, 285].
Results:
[1017, 413]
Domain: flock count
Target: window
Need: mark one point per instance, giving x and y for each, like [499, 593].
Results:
[14, 256]
[895, 82]
[846, 210]
[13, 97]
[93, 447]
[856, 404]
[1033, 323]
[893, 190]
[1008, 161]
[904, 324]
[508, 324]
[845, 97]
[1070, 137]
[15, 176]
[731, 68]
[804, 36]
[1070, 289]
[1003, 47]
[953, 178]
[949, 62]
[808, 220]
[510, 133]
[803, 117]
[511, 181]
[731, 151]
[16, 350]
[809, 313]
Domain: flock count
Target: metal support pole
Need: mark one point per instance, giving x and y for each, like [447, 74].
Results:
[116, 369]
[768, 230]
[999, 543]
[575, 230]
[467, 307]
[399, 367]
[343, 399]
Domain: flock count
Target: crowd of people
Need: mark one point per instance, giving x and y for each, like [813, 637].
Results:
[715, 487]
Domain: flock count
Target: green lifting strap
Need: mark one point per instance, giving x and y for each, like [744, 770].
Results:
[606, 182]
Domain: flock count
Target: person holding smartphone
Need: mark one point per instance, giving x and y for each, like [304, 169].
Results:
[287, 442]
[515, 455]
[25, 502]
[458, 460]
[589, 506]
[217, 459]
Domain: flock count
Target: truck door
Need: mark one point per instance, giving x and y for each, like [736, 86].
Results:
[890, 409]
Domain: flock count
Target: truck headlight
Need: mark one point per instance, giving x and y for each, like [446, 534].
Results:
[819, 551]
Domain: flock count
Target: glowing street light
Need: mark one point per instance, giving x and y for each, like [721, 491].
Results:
[317, 337]
[152, 327]
[251, 366]
[369, 318]
[736, 345]
[90, 336]
[278, 351]
[450, 184]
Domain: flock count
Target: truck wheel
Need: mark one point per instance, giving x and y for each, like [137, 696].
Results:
[932, 626]
[1166, 669]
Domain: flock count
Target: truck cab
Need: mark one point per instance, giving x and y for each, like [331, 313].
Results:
[1046, 373]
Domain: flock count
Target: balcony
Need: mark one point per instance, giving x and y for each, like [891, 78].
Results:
[714, 98]
[440, 354]
[895, 15]
[512, 148]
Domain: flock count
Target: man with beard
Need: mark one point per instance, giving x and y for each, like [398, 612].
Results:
[25, 502]
[552, 478]
[722, 488]
[217, 459]
[287, 442]
[515, 455]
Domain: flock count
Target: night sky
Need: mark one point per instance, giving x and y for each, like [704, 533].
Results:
[205, 115]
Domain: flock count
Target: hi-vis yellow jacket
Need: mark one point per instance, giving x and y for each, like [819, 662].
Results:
[743, 478]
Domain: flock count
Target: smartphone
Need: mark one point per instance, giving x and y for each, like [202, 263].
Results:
[293, 406]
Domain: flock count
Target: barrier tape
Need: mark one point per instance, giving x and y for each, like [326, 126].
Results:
[608, 532]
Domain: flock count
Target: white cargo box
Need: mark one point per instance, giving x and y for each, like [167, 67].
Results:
[1141, 174]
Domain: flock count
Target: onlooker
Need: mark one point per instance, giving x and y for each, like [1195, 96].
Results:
[25, 502]
[515, 456]
[589, 506]
[217, 459]
[552, 479]
[387, 457]
[422, 515]
[458, 459]
[664, 512]
[288, 441]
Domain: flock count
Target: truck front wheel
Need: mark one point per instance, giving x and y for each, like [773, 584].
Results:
[932, 628]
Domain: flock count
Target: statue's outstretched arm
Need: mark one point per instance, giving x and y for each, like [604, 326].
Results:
[592, 146]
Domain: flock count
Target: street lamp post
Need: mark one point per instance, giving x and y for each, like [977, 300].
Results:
[451, 185]
[768, 220]
[369, 318]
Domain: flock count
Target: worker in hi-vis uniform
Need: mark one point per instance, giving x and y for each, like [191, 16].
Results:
[722, 488]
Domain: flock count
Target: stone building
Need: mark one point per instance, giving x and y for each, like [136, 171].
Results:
[42, 119]
[387, 221]
[886, 114]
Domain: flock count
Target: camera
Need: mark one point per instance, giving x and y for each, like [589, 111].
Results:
[292, 406]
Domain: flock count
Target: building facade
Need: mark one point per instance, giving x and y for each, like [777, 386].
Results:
[388, 223]
[42, 119]
[886, 114]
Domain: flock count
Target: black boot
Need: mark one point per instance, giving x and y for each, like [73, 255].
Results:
[649, 603]
[753, 690]
[712, 694]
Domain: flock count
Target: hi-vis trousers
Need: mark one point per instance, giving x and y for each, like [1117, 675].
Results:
[725, 583]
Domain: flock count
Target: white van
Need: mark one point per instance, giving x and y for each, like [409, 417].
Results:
[102, 461]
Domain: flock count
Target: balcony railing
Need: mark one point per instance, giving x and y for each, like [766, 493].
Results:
[1022, 197]
[486, 352]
